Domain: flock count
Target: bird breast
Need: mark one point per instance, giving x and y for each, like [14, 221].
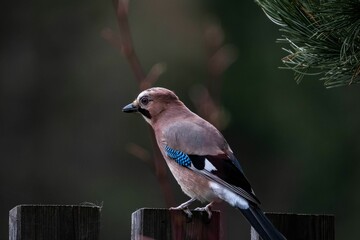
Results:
[192, 184]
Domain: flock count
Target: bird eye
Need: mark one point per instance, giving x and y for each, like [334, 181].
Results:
[144, 100]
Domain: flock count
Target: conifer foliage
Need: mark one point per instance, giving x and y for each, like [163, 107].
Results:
[322, 38]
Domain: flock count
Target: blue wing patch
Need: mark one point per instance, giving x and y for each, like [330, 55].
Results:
[179, 157]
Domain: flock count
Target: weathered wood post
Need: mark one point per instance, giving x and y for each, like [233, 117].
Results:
[161, 224]
[302, 226]
[71, 222]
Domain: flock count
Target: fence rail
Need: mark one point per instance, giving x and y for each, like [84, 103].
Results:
[75, 222]
[150, 223]
[70, 222]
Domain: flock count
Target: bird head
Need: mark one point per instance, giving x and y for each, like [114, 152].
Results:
[152, 102]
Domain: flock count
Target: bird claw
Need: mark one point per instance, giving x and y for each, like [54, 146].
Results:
[186, 210]
[184, 207]
[207, 209]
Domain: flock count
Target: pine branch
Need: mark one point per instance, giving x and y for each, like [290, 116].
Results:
[323, 38]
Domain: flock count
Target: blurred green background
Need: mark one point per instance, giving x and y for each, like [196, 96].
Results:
[63, 135]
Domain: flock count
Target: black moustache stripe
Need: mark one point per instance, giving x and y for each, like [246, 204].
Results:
[144, 112]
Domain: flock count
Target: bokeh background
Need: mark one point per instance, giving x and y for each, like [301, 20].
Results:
[64, 139]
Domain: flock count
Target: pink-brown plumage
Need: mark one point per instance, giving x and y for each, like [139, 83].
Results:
[199, 157]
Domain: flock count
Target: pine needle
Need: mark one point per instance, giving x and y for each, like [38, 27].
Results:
[323, 37]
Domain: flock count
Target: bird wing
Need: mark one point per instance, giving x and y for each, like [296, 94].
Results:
[222, 170]
[196, 144]
[219, 169]
[193, 136]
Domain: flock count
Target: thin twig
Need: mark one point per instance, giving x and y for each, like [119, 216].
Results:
[127, 49]
[219, 58]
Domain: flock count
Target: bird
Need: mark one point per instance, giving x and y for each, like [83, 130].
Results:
[199, 158]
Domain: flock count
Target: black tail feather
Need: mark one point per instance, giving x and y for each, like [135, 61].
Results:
[261, 223]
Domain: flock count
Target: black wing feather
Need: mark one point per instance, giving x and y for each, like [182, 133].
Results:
[227, 173]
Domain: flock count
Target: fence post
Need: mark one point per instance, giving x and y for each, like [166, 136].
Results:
[71, 222]
[302, 226]
[149, 223]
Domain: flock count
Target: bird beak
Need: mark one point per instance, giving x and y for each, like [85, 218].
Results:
[132, 107]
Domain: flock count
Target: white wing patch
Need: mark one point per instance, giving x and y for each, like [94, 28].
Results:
[229, 196]
[209, 166]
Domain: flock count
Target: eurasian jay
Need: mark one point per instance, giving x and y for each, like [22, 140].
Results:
[199, 158]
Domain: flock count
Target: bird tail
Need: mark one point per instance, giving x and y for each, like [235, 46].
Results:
[261, 223]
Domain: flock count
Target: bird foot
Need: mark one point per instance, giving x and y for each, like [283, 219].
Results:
[207, 208]
[184, 207]
[186, 210]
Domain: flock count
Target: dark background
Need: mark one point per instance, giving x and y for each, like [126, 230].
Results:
[63, 136]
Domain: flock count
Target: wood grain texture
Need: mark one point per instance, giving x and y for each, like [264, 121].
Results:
[160, 224]
[302, 226]
[56, 222]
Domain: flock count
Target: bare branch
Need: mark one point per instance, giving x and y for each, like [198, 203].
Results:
[220, 56]
[127, 49]
[124, 43]
[153, 75]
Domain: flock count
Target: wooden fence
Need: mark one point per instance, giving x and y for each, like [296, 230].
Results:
[82, 222]
[54, 222]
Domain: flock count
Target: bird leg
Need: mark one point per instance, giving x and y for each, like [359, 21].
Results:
[184, 206]
[207, 208]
